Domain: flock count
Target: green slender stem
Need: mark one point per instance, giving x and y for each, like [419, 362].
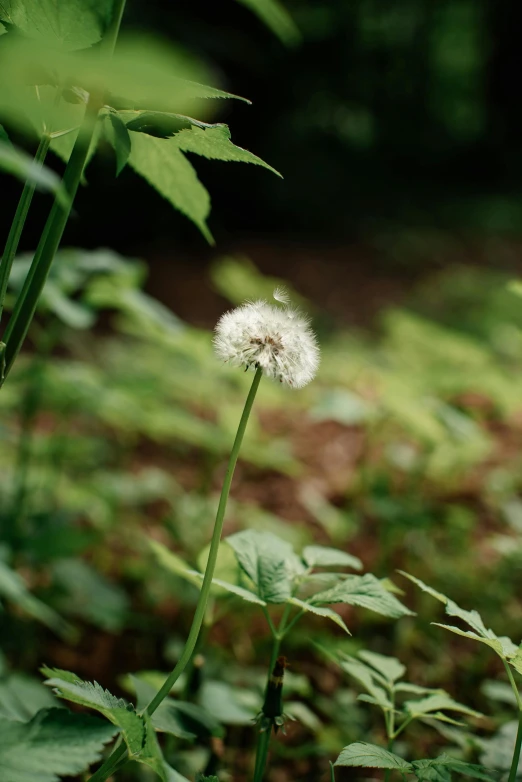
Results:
[263, 742]
[17, 226]
[51, 237]
[518, 741]
[516, 752]
[113, 760]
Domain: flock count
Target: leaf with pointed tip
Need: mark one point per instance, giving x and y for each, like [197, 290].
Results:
[160, 123]
[365, 755]
[268, 561]
[391, 668]
[120, 140]
[53, 743]
[367, 592]
[323, 556]
[276, 17]
[328, 613]
[502, 645]
[370, 680]
[161, 163]
[136, 729]
[215, 144]
[436, 702]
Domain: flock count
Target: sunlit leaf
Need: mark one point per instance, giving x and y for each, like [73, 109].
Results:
[364, 591]
[389, 667]
[323, 556]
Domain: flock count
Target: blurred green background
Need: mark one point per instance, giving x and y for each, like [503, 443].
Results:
[397, 127]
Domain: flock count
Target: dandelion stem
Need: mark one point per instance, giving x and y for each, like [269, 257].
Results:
[113, 760]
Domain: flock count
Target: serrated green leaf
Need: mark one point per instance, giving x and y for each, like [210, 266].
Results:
[323, 556]
[161, 163]
[70, 24]
[53, 743]
[421, 768]
[364, 591]
[328, 613]
[12, 588]
[120, 139]
[215, 144]
[362, 754]
[122, 714]
[391, 668]
[276, 17]
[436, 702]
[268, 561]
[502, 645]
[160, 123]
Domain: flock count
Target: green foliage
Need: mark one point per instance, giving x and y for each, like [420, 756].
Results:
[275, 16]
[503, 646]
[14, 590]
[21, 165]
[53, 743]
[363, 754]
[136, 729]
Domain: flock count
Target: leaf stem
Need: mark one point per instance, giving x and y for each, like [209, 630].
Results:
[17, 226]
[106, 769]
[51, 237]
[518, 741]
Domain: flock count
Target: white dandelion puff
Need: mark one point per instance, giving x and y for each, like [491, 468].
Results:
[277, 339]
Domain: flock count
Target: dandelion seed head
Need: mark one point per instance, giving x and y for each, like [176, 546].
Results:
[277, 339]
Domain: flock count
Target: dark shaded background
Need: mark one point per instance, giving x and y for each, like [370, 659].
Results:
[391, 115]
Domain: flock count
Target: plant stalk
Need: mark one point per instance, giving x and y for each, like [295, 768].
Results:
[51, 237]
[17, 226]
[518, 741]
[114, 759]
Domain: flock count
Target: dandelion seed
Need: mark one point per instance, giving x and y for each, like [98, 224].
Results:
[277, 339]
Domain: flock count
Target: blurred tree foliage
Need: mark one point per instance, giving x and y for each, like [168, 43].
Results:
[388, 111]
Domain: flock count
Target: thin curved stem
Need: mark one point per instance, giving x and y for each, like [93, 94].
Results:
[17, 226]
[113, 760]
[518, 741]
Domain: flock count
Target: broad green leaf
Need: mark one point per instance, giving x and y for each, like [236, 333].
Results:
[436, 702]
[391, 668]
[120, 139]
[328, 613]
[4, 138]
[415, 689]
[276, 17]
[70, 24]
[22, 696]
[21, 165]
[122, 714]
[232, 705]
[516, 661]
[215, 144]
[370, 680]
[268, 561]
[323, 556]
[12, 588]
[161, 163]
[172, 775]
[421, 768]
[499, 691]
[53, 743]
[161, 124]
[364, 591]
[180, 568]
[367, 755]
